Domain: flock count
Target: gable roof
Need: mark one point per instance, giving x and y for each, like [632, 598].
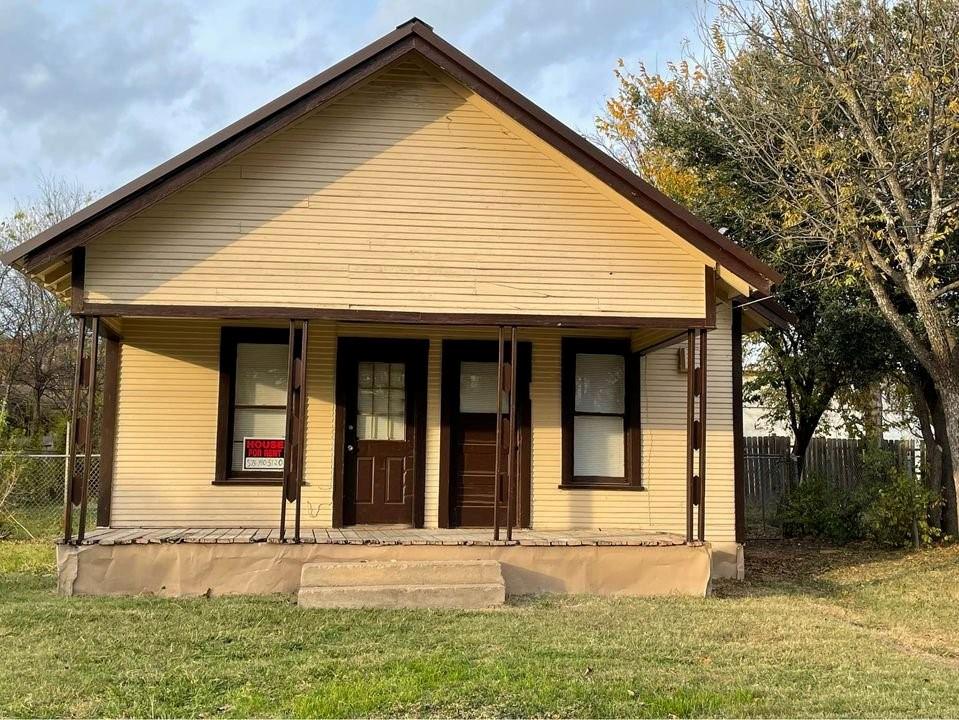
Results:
[413, 36]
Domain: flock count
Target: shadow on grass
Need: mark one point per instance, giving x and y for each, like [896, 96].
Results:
[799, 567]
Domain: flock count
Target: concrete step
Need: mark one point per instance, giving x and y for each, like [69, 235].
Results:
[458, 596]
[402, 584]
[400, 572]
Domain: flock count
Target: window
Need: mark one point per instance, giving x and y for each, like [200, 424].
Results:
[478, 388]
[381, 401]
[600, 415]
[251, 433]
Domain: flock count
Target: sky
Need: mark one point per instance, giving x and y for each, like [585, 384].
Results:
[98, 92]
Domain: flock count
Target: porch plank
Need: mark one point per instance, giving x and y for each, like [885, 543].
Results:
[229, 536]
[151, 536]
[196, 534]
[105, 538]
[174, 536]
[124, 537]
[260, 535]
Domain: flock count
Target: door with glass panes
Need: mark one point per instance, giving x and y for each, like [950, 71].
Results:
[379, 382]
[469, 450]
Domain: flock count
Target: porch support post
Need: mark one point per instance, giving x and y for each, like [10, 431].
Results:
[499, 433]
[701, 486]
[108, 425]
[286, 494]
[301, 424]
[91, 380]
[690, 427]
[512, 493]
[68, 490]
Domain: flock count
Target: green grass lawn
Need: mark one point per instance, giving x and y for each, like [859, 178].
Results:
[813, 632]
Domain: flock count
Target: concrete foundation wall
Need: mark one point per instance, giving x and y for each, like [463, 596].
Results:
[178, 570]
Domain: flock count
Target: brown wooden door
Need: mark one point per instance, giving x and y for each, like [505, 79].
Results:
[469, 384]
[379, 383]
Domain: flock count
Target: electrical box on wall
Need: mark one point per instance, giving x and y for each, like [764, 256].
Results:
[681, 360]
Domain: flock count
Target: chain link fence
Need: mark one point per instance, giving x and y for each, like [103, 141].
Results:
[31, 501]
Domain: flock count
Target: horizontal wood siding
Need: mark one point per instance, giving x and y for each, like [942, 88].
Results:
[167, 433]
[662, 505]
[403, 195]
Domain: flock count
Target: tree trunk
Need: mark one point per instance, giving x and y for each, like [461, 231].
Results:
[948, 431]
[924, 399]
[803, 436]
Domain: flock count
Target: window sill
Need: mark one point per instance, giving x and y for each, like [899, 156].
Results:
[252, 481]
[601, 486]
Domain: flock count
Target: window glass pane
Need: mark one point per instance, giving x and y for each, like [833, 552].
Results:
[381, 401]
[366, 375]
[600, 383]
[397, 427]
[478, 388]
[365, 402]
[255, 422]
[261, 371]
[598, 446]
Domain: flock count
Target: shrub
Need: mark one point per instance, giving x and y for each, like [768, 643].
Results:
[895, 504]
[817, 508]
[889, 507]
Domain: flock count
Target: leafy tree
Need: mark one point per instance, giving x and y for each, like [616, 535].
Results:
[669, 129]
[849, 111]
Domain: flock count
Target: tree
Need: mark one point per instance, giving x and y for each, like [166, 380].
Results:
[668, 129]
[849, 110]
[36, 357]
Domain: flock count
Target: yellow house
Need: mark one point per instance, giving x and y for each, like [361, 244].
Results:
[306, 328]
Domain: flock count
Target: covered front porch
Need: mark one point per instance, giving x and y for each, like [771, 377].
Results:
[175, 430]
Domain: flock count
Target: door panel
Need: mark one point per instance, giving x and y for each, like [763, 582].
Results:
[380, 397]
[469, 387]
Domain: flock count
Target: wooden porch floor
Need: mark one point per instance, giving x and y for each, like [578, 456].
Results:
[372, 536]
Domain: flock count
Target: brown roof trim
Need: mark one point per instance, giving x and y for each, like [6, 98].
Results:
[413, 35]
[770, 309]
[400, 317]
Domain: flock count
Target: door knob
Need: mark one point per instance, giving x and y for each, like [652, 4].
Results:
[350, 448]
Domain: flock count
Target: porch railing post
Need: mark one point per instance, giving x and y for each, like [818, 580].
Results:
[71, 441]
[88, 426]
[288, 442]
[701, 494]
[499, 432]
[301, 425]
[690, 430]
[511, 469]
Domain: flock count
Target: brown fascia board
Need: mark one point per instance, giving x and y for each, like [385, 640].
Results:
[770, 309]
[417, 36]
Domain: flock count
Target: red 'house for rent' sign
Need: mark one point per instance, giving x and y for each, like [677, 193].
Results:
[263, 453]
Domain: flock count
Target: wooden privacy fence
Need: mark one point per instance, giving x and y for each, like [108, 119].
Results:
[771, 469]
